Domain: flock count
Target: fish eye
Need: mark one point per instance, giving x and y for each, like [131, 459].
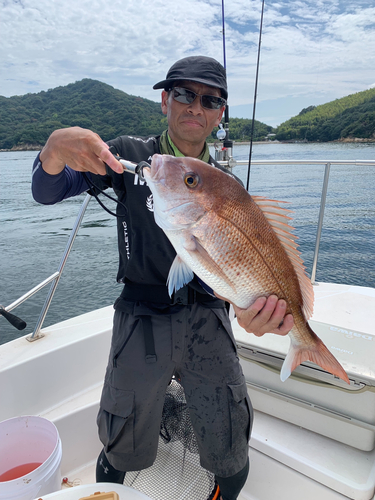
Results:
[191, 180]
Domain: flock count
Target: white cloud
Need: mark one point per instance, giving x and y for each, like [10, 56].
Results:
[310, 49]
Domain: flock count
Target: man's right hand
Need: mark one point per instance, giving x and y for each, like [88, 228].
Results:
[81, 149]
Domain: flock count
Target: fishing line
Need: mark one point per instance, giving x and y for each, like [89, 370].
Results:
[94, 188]
[255, 98]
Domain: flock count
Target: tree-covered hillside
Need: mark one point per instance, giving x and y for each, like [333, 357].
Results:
[349, 117]
[31, 118]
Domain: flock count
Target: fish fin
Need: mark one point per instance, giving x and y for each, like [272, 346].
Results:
[189, 242]
[278, 220]
[211, 265]
[318, 354]
[179, 275]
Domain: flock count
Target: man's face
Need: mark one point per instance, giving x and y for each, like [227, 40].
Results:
[191, 123]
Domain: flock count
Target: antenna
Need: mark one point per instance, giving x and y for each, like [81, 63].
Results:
[255, 99]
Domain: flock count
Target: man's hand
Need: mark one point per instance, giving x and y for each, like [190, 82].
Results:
[81, 149]
[266, 315]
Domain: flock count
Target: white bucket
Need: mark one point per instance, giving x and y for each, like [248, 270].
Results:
[29, 440]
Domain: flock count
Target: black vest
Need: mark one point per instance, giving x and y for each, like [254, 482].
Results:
[145, 253]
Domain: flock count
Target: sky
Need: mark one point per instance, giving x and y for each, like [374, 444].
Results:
[312, 51]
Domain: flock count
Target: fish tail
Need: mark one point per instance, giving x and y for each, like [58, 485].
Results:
[317, 353]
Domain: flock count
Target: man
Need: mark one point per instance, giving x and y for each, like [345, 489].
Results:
[155, 336]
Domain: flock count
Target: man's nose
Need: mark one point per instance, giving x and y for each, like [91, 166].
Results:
[196, 107]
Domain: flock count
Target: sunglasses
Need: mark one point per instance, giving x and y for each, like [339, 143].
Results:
[186, 96]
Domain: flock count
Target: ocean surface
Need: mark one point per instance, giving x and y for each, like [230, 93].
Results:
[33, 237]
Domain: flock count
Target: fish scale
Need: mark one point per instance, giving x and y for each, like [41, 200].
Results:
[240, 246]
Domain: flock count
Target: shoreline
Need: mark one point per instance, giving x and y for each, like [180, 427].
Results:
[358, 140]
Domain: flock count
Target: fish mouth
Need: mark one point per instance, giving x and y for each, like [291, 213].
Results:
[156, 167]
[155, 175]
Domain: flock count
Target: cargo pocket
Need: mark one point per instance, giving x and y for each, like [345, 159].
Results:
[225, 323]
[241, 414]
[116, 420]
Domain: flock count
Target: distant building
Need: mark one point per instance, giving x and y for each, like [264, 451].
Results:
[270, 137]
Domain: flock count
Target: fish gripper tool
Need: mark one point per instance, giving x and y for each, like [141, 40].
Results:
[133, 168]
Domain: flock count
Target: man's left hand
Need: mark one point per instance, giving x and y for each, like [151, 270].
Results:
[266, 315]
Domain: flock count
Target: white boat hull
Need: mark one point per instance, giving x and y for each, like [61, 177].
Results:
[60, 377]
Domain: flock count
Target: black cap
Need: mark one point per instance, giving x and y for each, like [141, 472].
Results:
[199, 69]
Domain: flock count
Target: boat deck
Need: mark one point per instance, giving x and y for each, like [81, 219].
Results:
[60, 377]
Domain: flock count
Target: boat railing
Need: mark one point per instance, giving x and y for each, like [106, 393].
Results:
[327, 168]
[55, 277]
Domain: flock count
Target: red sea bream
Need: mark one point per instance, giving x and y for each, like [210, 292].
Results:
[240, 246]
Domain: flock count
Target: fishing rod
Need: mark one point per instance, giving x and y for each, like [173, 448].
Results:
[225, 154]
[255, 98]
[228, 145]
[223, 22]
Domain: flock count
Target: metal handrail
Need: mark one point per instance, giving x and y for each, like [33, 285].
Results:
[36, 333]
[305, 162]
[30, 293]
[54, 278]
[322, 201]
[327, 164]
[320, 221]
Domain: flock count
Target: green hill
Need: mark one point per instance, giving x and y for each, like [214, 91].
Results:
[350, 117]
[31, 118]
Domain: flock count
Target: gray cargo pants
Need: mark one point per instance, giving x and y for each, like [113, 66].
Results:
[198, 343]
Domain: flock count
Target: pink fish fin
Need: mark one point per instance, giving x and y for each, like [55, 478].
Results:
[179, 274]
[210, 265]
[279, 221]
[316, 353]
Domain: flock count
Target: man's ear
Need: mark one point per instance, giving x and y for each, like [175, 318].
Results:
[164, 102]
[220, 116]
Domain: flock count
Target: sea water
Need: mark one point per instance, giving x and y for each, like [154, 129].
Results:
[33, 237]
